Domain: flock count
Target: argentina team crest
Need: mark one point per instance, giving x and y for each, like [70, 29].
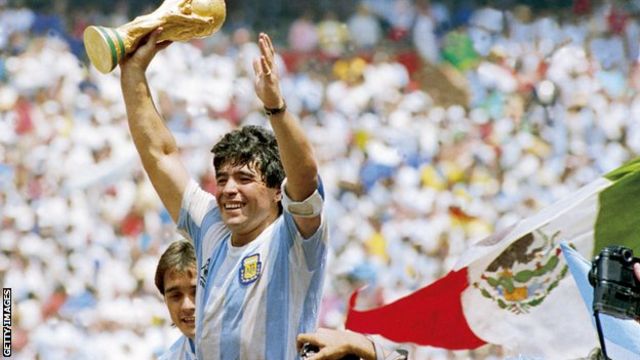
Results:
[250, 269]
[525, 273]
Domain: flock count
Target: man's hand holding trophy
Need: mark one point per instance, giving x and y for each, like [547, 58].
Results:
[181, 20]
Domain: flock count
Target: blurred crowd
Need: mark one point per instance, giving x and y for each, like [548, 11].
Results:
[545, 103]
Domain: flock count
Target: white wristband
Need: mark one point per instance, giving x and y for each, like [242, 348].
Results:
[308, 208]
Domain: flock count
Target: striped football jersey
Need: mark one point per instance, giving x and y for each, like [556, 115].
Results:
[252, 301]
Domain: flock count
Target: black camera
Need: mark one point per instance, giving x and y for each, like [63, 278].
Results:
[616, 289]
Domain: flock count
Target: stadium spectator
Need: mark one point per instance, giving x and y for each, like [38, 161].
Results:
[303, 35]
[333, 35]
[364, 28]
[424, 33]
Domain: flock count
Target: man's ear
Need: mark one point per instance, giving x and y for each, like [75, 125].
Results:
[278, 195]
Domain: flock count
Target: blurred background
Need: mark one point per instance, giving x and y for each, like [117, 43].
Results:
[436, 123]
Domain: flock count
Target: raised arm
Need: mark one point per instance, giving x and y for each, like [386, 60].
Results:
[153, 140]
[295, 149]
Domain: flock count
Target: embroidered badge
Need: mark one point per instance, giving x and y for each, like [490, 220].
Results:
[250, 269]
[204, 272]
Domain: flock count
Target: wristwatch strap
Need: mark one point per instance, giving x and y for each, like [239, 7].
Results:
[271, 112]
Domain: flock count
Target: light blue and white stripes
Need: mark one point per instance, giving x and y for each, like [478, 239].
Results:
[240, 315]
[182, 349]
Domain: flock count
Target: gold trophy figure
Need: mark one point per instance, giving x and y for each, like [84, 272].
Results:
[181, 20]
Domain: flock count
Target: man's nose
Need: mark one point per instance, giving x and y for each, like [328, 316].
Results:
[188, 303]
[230, 186]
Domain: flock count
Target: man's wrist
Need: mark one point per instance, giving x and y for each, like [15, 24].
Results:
[275, 111]
[132, 75]
[365, 348]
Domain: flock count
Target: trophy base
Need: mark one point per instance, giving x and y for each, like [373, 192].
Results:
[104, 47]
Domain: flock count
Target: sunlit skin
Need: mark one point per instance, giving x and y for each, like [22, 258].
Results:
[246, 204]
[180, 297]
[336, 344]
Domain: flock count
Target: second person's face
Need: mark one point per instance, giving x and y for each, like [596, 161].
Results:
[180, 297]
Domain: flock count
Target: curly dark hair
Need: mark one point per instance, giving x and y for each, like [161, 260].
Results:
[254, 146]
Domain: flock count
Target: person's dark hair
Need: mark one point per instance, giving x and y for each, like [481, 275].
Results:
[254, 146]
[179, 256]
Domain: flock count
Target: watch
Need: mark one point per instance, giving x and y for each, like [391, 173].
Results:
[271, 112]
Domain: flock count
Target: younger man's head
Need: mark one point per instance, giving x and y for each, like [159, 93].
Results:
[176, 277]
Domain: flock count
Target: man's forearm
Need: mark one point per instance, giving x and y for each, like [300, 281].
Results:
[153, 140]
[150, 135]
[296, 154]
[155, 143]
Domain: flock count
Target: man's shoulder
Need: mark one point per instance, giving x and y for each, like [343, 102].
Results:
[214, 231]
[179, 350]
[198, 208]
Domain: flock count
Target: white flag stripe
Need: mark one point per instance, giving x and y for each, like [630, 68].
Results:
[518, 294]
[525, 226]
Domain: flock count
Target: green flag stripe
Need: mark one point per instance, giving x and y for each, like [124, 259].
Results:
[622, 171]
[618, 221]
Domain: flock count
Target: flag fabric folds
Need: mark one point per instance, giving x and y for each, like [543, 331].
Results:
[413, 316]
[518, 292]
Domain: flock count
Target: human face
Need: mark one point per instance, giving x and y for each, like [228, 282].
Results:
[180, 297]
[246, 204]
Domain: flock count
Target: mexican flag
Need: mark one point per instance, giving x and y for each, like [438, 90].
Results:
[513, 288]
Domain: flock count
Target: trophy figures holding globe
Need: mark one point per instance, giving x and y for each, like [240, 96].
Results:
[181, 20]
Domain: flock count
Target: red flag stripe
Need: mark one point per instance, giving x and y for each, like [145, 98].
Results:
[430, 316]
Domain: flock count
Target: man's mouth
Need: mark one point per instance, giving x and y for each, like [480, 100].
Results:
[232, 206]
[189, 320]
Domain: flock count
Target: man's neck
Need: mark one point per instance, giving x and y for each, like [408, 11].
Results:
[239, 239]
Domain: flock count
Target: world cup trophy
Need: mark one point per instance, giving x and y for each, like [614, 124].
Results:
[181, 20]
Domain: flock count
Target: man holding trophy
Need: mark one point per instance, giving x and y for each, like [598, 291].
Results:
[260, 240]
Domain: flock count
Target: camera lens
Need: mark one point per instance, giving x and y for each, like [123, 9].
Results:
[592, 277]
[627, 255]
